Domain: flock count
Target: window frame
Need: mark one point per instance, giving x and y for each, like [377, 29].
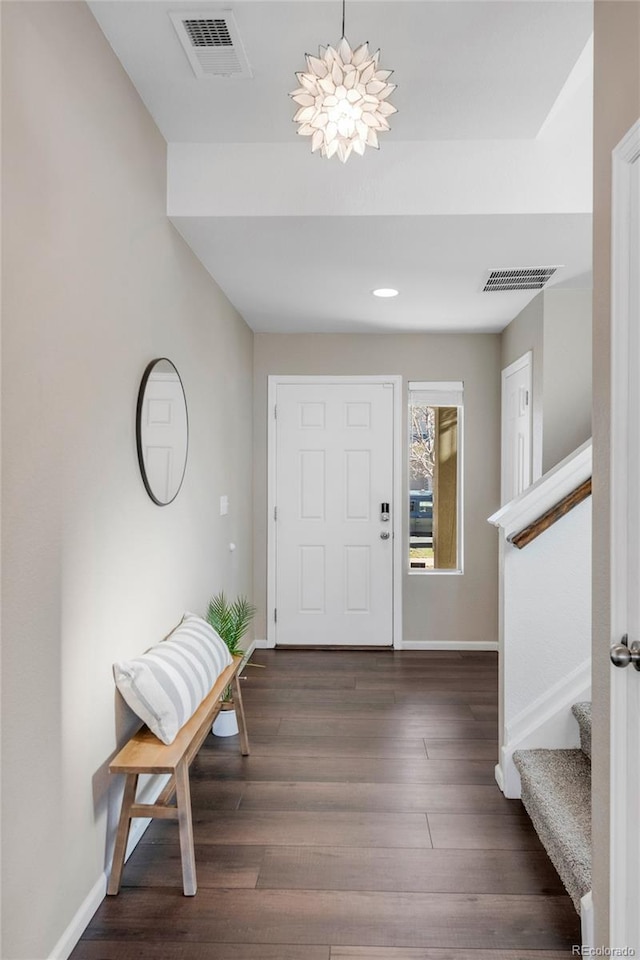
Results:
[443, 387]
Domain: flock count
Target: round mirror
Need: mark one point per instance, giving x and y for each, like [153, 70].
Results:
[162, 431]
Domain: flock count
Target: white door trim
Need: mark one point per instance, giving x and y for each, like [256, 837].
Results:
[526, 360]
[273, 381]
[624, 743]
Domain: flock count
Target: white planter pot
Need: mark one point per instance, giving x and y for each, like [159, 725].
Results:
[225, 724]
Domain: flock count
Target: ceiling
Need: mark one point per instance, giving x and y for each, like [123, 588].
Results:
[487, 165]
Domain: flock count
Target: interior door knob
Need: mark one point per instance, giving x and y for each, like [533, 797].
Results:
[622, 654]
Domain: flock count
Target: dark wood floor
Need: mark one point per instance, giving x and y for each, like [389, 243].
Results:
[365, 825]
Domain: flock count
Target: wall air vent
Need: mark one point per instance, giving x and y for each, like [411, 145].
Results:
[212, 43]
[521, 278]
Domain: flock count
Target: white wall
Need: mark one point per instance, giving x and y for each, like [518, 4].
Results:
[547, 609]
[546, 639]
[616, 108]
[96, 283]
[545, 617]
[465, 177]
[437, 608]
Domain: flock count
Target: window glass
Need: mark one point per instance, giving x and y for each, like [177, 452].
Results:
[435, 457]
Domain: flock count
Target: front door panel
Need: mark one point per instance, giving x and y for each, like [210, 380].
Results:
[334, 469]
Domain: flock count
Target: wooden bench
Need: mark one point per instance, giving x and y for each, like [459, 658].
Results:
[145, 753]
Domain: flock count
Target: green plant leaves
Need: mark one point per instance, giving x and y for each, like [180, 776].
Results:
[230, 620]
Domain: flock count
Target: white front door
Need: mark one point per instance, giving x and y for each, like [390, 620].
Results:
[625, 543]
[334, 552]
[516, 428]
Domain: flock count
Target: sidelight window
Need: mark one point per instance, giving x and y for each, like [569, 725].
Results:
[435, 472]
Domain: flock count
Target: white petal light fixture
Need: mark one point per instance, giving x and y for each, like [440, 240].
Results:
[343, 99]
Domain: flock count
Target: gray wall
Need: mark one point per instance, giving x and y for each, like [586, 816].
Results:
[567, 373]
[556, 326]
[524, 333]
[96, 283]
[616, 108]
[436, 608]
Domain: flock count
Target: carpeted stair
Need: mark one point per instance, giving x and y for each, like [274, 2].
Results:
[556, 793]
[582, 713]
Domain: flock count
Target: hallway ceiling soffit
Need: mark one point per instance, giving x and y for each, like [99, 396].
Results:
[487, 165]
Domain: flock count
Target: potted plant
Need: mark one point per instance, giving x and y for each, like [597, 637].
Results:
[230, 621]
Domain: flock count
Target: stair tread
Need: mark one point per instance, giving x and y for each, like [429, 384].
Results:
[582, 713]
[556, 792]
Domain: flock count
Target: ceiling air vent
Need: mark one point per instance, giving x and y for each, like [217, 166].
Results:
[212, 44]
[522, 278]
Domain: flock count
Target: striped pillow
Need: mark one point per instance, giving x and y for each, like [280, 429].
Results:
[166, 685]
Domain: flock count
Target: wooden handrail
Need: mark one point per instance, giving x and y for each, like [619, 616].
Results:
[547, 519]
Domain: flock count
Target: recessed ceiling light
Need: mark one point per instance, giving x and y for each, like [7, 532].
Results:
[385, 292]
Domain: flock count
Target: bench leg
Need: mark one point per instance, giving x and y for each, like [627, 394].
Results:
[122, 834]
[185, 826]
[242, 723]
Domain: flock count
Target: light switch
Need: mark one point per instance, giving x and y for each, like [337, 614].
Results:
[224, 505]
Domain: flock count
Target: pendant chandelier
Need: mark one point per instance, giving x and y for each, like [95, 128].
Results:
[343, 99]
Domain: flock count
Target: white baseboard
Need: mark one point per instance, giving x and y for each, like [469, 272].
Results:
[80, 921]
[448, 645]
[547, 723]
[264, 645]
[69, 939]
[149, 793]
[499, 776]
[248, 651]
[587, 921]
[136, 831]
[418, 645]
[565, 692]
[509, 781]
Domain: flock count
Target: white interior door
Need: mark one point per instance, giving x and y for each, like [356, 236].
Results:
[334, 552]
[516, 428]
[625, 543]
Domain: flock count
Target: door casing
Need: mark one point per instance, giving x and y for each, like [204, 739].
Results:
[401, 523]
[525, 361]
[624, 924]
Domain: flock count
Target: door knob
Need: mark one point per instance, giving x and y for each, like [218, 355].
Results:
[622, 654]
[385, 535]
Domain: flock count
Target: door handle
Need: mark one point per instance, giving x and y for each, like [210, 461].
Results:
[622, 654]
[385, 536]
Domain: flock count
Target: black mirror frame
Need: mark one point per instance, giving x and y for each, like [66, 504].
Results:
[143, 384]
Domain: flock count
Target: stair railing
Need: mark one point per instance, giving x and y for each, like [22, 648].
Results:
[545, 595]
[551, 516]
